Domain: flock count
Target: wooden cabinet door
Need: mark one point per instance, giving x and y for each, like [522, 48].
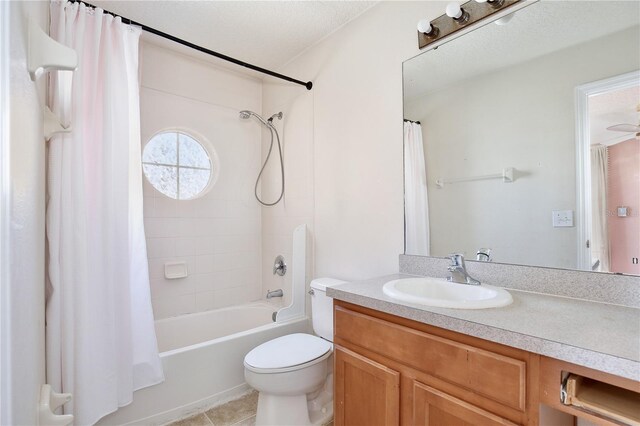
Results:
[366, 393]
[432, 407]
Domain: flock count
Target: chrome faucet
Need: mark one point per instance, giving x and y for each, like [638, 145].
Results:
[483, 255]
[274, 293]
[458, 271]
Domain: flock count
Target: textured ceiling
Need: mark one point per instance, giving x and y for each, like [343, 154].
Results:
[617, 107]
[264, 33]
[536, 30]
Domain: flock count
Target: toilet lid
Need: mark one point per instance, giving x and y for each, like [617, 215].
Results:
[287, 351]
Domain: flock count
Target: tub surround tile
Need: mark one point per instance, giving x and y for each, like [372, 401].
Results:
[229, 297]
[166, 307]
[599, 287]
[185, 246]
[205, 264]
[205, 301]
[156, 227]
[166, 207]
[161, 247]
[596, 335]
[214, 280]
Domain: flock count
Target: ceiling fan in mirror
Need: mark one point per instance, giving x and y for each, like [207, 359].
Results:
[627, 128]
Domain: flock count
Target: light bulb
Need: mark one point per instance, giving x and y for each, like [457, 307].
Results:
[424, 26]
[454, 11]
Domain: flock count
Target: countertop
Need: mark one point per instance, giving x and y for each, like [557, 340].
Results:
[597, 335]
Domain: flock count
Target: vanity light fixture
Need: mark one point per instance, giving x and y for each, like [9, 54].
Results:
[457, 13]
[458, 17]
[425, 27]
[493, 3]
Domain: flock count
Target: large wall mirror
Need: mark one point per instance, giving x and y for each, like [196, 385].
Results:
[521, 140]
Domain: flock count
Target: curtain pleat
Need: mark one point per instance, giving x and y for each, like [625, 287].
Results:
[101, 343]
[600, 250]
[416, 202]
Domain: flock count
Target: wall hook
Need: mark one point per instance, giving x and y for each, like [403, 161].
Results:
[52, 125]
[49, 402]
[44, 53]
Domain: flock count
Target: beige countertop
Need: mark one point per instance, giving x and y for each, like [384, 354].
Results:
[597, 335]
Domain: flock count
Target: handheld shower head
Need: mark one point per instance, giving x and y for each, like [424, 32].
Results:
[246, 114]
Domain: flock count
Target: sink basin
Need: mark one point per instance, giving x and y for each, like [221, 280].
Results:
[441, 293]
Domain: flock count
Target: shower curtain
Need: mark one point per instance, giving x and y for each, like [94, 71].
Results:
[416, 203]
[600, 250]
[100, 338]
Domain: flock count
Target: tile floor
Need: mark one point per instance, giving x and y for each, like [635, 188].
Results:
[239, 412]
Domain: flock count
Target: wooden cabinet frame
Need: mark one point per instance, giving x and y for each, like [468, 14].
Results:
[464, 368]
[454, 375]
[383, 408]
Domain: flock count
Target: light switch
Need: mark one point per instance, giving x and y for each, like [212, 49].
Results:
[623, 211]
[562, 218]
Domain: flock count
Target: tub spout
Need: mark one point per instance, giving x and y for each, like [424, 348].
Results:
[274, 293]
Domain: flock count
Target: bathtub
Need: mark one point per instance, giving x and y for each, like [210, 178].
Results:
[202, 355]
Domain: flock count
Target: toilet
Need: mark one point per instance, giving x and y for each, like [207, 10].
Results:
[294, 373]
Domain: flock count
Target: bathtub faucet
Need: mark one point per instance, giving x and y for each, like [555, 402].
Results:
[274, 293]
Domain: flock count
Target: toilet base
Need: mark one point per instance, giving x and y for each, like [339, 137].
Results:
[279, 410]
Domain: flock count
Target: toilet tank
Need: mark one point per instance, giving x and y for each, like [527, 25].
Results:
[322, 307]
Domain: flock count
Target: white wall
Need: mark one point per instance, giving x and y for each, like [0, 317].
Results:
[521, 116]
[24, 198]
[351, 126]
[219, 234]
[279, 221]
[5, 366]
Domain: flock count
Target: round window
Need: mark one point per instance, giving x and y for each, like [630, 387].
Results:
[177, 165]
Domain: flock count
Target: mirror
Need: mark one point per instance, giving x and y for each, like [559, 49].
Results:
[514, 145]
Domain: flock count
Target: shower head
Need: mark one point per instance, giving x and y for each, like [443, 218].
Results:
[246, 114]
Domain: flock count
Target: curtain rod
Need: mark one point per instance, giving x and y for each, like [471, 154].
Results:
[411, 121]
[308, 84]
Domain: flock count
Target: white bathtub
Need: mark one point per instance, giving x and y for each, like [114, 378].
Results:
[202, 356]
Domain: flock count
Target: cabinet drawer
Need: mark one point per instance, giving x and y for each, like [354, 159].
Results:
[494, 376]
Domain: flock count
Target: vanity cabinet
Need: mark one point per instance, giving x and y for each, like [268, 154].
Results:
[371, 391]
[394, 371]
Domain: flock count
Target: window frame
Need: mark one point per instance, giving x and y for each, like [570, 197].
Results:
[214, 164]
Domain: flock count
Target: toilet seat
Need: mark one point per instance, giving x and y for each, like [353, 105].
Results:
[287, 353]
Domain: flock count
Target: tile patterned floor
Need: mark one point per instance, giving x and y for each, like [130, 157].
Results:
[239, 412]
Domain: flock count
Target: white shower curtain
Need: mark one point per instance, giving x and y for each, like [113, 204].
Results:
[101, 343]
[600, 250]
[416, 203]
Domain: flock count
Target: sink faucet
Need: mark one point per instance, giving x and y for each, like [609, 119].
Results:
[483, 255]
[458, 271]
